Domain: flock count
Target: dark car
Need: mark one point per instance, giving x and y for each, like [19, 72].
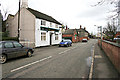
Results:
[65, 42]
[13, 49]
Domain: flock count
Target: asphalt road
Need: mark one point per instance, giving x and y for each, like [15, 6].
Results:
[52, 62]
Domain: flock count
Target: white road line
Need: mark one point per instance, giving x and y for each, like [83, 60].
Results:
[67, 50]
[30, 64]
[91, 69]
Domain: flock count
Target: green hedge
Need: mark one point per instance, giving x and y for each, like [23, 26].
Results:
[9, 38]
[4, 34]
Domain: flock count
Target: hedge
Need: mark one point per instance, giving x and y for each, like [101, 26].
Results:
[9, 38]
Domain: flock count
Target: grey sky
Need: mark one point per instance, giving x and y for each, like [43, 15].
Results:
[70, 12]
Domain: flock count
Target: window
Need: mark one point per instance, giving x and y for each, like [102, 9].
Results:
[50, 24]
[43, 36]
[8, 45]
[43, 22]
[56, 36]
[16, 44]
[56, 26]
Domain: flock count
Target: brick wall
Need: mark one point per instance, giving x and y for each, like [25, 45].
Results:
[72, 36]
[113, 52]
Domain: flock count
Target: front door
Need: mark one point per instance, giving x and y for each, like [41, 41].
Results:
[50, 38]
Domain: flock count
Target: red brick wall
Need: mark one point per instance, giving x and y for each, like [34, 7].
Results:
[73, 37]
[67, 35]
[113, 52]
[75, 40]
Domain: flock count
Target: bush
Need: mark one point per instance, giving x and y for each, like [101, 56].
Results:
[9, 38]
[4, 34]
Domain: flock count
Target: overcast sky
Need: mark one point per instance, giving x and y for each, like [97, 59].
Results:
[73, 13]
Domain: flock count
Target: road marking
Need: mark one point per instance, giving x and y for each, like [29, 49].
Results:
[91, 69]
[30, 64]
[67, 50]
[98, 56]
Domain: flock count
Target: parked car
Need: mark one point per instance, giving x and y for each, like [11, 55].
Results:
[13, 49]
[65, 42]
[84, 40]
[117, 38]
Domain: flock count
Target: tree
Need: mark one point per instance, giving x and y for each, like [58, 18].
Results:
[110, 30]
[115, 2]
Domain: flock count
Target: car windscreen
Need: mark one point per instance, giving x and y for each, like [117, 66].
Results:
[66, 41]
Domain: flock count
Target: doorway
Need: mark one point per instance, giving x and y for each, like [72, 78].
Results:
[50, 38]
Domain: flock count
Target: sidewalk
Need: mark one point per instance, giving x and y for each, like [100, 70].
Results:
[103, 68]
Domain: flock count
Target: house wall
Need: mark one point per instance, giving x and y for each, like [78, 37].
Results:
[38, 31]
[27, 27]
[12, 27]
[72, 36]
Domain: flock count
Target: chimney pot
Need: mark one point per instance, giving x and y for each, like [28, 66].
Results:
[80, 26]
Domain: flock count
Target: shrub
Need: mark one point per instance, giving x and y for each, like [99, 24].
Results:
[9, 38]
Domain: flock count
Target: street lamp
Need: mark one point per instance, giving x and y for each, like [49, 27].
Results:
[100, 29]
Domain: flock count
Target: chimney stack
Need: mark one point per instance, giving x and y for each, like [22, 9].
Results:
[80, 26]
[84, 28]
[24, 3]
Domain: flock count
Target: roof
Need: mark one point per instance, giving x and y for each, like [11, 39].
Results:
[69, 31]
[43, 16]
[79, 30]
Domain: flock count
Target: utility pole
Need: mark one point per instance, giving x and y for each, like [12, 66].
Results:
[100, 27]
[19, 22]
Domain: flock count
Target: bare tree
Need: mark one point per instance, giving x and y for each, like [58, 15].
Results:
[115, 2]
[110, 30]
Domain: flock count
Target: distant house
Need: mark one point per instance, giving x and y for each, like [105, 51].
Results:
[117, 34]
[82, 33]
[76, 35]
[36, 29]
[71, 34]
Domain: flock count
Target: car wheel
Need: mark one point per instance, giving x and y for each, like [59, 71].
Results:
[29, 53]
[3, 59]
[59, 46]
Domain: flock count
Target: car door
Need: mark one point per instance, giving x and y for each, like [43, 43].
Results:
[21, 51]
[9, 50]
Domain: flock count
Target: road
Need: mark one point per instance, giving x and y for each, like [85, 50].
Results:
[53, 62]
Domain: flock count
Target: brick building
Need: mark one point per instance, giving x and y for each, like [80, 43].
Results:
[76, 35]
[82, 33]
[71, 34]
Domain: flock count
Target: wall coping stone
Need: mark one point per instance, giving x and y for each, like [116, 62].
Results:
[112, 43]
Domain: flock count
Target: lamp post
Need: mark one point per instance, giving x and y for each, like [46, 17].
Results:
[19, 22]
[100, 27]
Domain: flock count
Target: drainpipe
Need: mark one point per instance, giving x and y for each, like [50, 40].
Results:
[19, 22]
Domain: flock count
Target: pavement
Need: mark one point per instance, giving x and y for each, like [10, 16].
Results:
[103, 67]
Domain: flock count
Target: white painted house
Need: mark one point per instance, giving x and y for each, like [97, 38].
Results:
[36, 29]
